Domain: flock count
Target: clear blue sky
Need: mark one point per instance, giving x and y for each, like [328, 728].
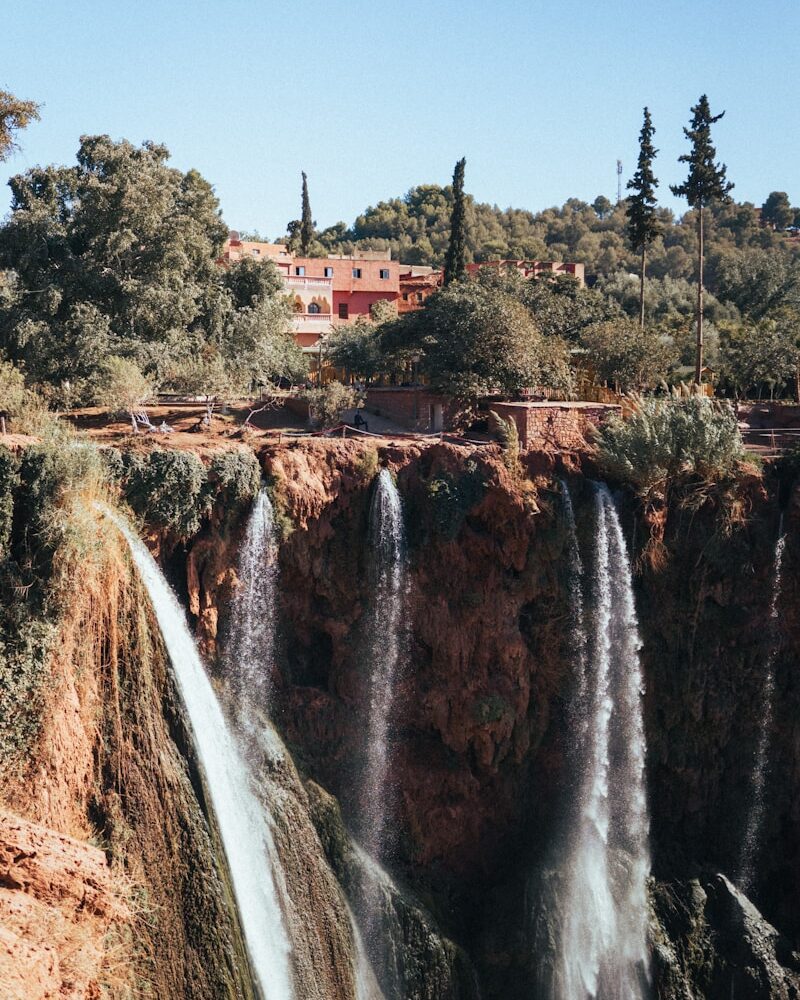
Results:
[373, 97]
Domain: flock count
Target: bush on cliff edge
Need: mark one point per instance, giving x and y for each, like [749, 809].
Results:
[665, 440]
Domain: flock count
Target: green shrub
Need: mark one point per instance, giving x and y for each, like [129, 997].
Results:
[452, 498]
[506, 432]
[24, 648]
[235, 474]
[166, 489]
[667, 439]
[9, 480]
[367, 464]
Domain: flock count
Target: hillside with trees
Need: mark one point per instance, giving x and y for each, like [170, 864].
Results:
[416, 228]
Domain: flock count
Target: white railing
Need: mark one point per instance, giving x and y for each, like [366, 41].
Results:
[307, 281]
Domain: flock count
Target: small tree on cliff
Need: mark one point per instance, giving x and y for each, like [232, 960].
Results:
[306, 221]
[643, 224]
[455, 261]
[705, 184]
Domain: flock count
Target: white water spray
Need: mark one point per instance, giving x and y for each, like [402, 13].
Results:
[755, 819]
[603, 951]
[242, 821]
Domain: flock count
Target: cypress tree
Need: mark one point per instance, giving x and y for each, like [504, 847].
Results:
[705, 184]
[455, 261]
[306, 222]
[643, 224]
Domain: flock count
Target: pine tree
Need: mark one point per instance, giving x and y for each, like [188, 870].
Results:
[455, 261]
[643, 224]
[306, 222]
[706, 183]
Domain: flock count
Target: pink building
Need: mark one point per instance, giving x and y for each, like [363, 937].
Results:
[325, 291]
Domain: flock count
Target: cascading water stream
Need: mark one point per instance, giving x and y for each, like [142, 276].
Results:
[387, 543]
[249, 659]
[579, 714]
[250, 647]
[384, 646]
[603, 951]
[755, 818]
[243, 823]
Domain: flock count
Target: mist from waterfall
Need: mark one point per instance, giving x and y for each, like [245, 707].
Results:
[602, 951]
[243, 823]
[748, 860]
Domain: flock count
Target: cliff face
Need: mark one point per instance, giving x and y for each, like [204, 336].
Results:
[481, 736]
[480, 742]
[112, 765]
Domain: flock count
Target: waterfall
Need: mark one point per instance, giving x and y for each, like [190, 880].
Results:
[249, 650]
[578, 638]
[603, 951]
[384, 646]
[385, 642]
[755, 817]
[243, 823]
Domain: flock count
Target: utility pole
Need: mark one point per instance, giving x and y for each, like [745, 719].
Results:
[619, 181]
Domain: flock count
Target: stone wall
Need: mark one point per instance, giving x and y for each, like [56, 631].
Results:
[412, 407]
[555, 426]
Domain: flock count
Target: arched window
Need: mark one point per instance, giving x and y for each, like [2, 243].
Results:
[313, 307]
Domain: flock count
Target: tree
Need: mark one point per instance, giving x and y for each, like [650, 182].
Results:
[706, 183]
[764, 353]
[355, 348]
[327, 403]
[122, 386]
[13, 394]
[109, 257]
[306, 222]
[643, 222]
[474, 339]
[602, 206]
[777, 210]
[15, 115]
[204, 373]
[455, 262]
[758, 282]
[622, 353]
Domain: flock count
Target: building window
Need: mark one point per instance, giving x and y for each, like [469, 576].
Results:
[344, 312]
[405, 296]
[384, 273]
[328, 272]
[314, 308]
[356, 272]
[419, 296]
[300, 271]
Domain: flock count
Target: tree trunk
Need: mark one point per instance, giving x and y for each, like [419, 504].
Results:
[641, 287]
[133, 422]
[797, 380]
[698, 361]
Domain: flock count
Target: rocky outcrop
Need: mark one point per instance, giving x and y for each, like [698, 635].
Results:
[65, 928]
[711, 943]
